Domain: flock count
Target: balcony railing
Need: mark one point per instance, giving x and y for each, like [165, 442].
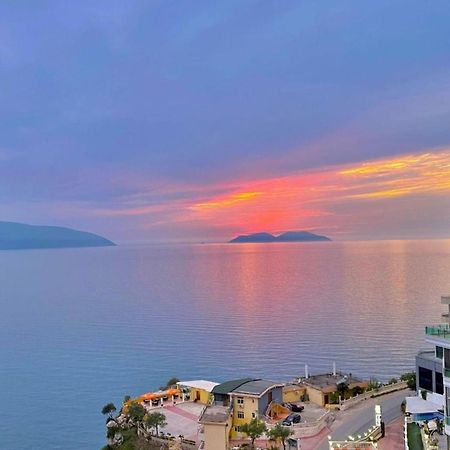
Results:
[442, 330]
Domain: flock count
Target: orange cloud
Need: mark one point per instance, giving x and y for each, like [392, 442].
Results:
[329, 199]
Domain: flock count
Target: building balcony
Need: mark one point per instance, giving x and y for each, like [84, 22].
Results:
[438, 331]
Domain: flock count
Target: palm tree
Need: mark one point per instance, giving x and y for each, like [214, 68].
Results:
[254, 429]
[278, 432]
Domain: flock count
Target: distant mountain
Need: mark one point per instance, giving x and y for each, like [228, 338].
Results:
[255, 237]
[300, 236]
[14, 236]
[289, 236]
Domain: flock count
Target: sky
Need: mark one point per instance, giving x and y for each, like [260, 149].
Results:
[199, 120]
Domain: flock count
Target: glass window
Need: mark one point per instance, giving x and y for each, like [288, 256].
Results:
[240, 400]
[240, 414]
[439, 383]
[425, 379]
[439, 352]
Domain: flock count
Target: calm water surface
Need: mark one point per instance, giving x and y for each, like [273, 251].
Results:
[82, 327]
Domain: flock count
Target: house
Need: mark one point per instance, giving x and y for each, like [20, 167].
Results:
[249, 398]
[293, 393]
[320, 388]
[197, 390]
[237, 402]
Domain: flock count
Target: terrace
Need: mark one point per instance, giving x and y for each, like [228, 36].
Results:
[441, 330]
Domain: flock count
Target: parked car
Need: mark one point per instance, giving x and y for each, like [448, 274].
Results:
[291, 419]
[295, 408]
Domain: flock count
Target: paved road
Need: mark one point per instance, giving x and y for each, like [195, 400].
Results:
[359, 418]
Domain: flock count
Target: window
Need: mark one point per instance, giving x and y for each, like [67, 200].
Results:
[439, 383]
[439, 352]
[425, 379]
[240, 400]
[253, 415]
[237, 429]
[240, 414]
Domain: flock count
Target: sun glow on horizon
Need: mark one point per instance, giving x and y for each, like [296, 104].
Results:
[335, 198]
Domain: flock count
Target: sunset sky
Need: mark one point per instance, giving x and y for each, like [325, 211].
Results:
[199, 120]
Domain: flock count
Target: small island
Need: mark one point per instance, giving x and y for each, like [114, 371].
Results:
[288, 236]
[20, 236]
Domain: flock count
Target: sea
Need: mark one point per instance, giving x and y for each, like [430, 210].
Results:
[83, 327]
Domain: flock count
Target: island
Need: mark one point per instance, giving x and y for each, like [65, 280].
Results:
[20, 236]
[288, 236]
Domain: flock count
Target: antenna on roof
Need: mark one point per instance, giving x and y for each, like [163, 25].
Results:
[334, 368]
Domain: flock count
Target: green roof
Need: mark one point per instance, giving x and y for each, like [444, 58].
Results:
[230, 386]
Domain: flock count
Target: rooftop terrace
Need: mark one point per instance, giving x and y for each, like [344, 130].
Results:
[215, 414]
[326, 380]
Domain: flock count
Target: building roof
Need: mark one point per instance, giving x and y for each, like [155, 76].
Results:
[429, 355]
[215, 414]
[256, 387]
[207, 386]
[230, 386]
[417, 405]
[328, 380]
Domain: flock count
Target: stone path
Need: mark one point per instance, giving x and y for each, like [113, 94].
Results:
[393, 439]
[181, 412]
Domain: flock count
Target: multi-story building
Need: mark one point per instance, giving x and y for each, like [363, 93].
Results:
[236, 403]
[433, 368]
[252, 400]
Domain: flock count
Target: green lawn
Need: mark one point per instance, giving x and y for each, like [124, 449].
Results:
[414, 438]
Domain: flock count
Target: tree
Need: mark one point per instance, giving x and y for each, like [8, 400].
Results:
[342, 389]
[278, 432]
[254, 429]
[155, 420]
[410, 378]
[172, 382]
[334, 398]
[126, 398]
[109, 408]
[136, 412]
[357, 390]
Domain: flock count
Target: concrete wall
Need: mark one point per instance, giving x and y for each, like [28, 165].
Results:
[315, 396]
[217, 436]
[293, 394]
[200, 394]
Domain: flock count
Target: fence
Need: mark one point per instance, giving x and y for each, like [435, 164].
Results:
[345, 404]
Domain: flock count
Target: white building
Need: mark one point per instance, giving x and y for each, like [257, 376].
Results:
[428, 373]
